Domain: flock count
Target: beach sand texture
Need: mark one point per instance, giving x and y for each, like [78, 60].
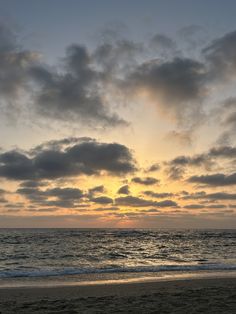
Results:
[212, 296]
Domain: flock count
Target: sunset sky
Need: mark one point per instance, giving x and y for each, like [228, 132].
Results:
[118, 113]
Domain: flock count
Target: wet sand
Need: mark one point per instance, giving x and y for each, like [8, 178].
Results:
[179, 296]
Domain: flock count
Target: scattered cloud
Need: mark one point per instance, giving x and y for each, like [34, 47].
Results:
[153, 168]
[102, 200]
[124, 189]
[218, 179]
[158, 195]
[140, 202]
[145, 181]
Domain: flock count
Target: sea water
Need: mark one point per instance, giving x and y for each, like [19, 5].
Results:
[54, 253]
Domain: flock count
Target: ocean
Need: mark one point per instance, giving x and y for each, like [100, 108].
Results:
[54, 253]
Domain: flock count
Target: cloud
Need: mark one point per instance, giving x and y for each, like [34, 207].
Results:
[84, 158]
[145, 181]
[226, 114]
[96, 189]
[15, 165]
[32, 184]
[102, 200]
[158, 195]
[82, 87]
[194, 206]
[14, 66]
[74, 94]
[73, 91]
[196, 160]
[210, 196]
[216, 206]
[177, 86]
[60, 144]
[116, 56]
[153, 168]
[59, 197]
[221, 196]
[201, 206]
[175, 172]
[110, 208]
[124, 189]
[140, 202]
[176, 167]
[223, 152]
[218, 179]
[221, 56]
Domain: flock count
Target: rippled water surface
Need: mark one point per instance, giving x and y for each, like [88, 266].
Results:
[52, 252]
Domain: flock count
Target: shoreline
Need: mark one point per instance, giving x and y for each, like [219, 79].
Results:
[113, 279]
[209, 295]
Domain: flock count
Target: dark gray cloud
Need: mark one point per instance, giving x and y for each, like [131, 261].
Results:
[175, 172]
[221, 55]
[73, 91]
[158, 195]
[15, 165]
[65, 193]
[210, 196]
[218, 179]
[84, 158]
[216, 206]
[96, 189]
[117, 56]
[74, 94]
[176, 167]
[201, 206]
[197, 160]
[145, 181]
[221, 196]
[32, 184]
[223, 152]
[124, 189]
[14, 66]
[178, 85]
[140, 202]
[194, 206]
[107, 208]
[60, 144]
[59, 197]
[81, 86]
[102, 200]
[153, 168]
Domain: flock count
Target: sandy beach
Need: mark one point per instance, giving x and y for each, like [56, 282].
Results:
[179, 296]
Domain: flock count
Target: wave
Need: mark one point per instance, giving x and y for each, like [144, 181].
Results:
[137, 269]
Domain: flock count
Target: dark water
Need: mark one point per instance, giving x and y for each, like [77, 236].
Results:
[54, 252]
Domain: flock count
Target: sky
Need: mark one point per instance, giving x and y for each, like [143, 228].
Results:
[118, 114]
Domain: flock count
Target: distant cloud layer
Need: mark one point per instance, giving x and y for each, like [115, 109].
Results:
[188, 88]
[84, 86]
